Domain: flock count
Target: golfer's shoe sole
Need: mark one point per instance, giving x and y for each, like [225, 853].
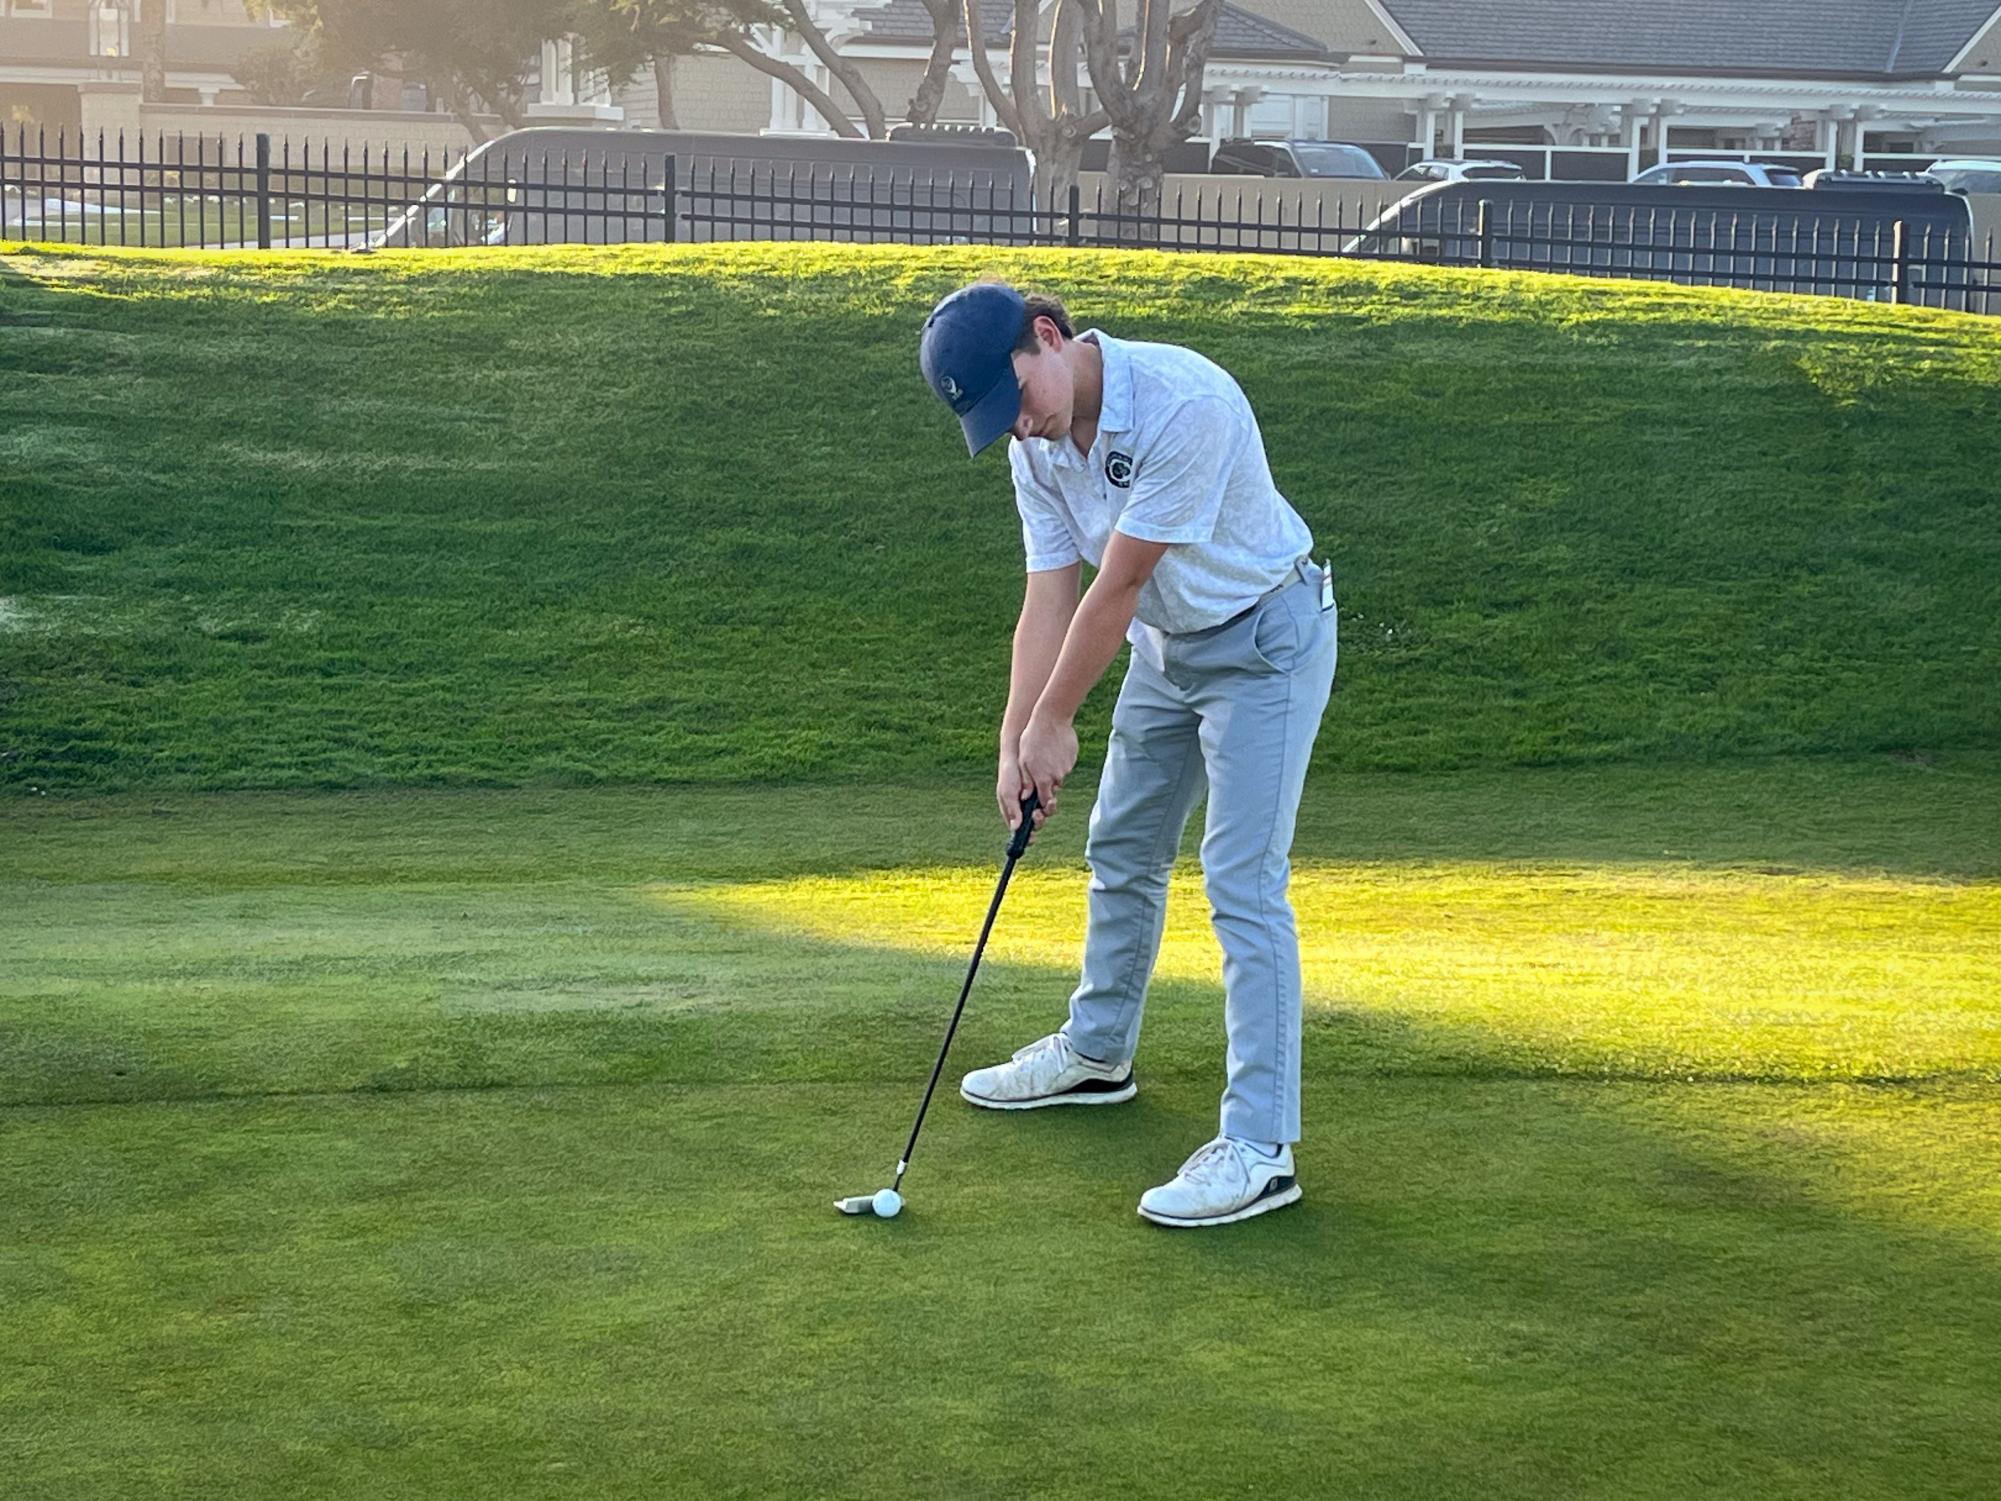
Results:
[1275, 1195]
[1090, 1092]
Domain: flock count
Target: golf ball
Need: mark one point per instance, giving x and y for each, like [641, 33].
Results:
[887, 1202]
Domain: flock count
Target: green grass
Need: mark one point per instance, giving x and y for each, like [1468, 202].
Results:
[475, 1132]
[669, 515]
[485, 1141]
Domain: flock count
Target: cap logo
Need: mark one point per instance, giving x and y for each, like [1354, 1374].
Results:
[1119, 469]
[950, 387]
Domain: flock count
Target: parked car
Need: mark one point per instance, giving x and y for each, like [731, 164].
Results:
[1841, 179]
[1296, 159]
[1462, 169]
[1722, 174]
[553, 185]
[1764, 239]
[1967, 174]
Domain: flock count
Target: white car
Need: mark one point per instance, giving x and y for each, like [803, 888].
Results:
[1460, 169]
[1723, 174]
[1967, 174]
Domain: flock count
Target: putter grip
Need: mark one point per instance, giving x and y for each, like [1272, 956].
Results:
[1019, 846]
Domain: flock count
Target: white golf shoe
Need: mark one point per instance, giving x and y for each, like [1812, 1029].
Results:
[1223, 1182]
[1049, 1072]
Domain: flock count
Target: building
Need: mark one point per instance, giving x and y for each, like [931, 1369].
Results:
[50, 50]
[1603, 86]
[1843, 80]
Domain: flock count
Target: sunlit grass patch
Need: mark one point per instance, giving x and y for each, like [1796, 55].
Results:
[1659, 973]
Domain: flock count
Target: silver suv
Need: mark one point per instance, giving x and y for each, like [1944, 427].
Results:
[1722, 174]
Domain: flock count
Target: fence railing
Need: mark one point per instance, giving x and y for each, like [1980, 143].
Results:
[211, 193]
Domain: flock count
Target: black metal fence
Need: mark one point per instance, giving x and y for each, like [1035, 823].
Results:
[206, 192]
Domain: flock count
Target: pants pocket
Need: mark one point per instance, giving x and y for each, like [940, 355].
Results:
[1274, 634]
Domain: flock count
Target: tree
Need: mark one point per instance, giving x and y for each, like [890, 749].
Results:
[1155, 100]
[625, 36]
[153, 51]
[284, 73]
[472, 53]
[946, 32]
[1053, 130]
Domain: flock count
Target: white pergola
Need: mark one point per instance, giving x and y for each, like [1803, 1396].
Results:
[1604, 110]
[1630, 111]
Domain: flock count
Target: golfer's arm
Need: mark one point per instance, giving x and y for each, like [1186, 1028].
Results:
[1098, 629]
[1047, 607]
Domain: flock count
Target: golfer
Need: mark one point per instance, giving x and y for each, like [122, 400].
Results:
[1145, 461]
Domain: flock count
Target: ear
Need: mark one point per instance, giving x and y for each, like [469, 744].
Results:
[1047, 334]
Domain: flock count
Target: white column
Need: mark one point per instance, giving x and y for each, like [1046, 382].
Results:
[824, 77]
[1215, 117]
[1458, 128]
[1863, 114]
[1428, 123]
[556, 62]
[1635, 117]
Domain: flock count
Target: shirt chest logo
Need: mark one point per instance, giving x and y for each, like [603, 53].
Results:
[1119, 469]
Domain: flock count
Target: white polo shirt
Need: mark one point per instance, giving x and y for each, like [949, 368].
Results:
[1178, 458]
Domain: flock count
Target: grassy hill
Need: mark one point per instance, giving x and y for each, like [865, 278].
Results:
[689, 514]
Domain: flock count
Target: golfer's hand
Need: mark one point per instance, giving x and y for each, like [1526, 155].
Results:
[1011, 791]
[1047, 755]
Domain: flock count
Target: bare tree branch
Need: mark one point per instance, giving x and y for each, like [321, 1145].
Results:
[1022, 64]
[923, 109]
[811, 92]
[1151, 50]
[841, 67]
[983, 66]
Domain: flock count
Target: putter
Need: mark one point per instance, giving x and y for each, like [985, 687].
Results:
[886, 1203]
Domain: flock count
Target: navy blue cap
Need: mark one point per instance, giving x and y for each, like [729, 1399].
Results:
[967, 354]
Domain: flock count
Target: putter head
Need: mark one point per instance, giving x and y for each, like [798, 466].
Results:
[884, 1205]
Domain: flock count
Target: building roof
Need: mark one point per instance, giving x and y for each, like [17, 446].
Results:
[1239, 33]
[1821, 37]
[908, 21]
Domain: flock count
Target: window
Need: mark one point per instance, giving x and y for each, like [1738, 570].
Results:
[1733, 175]
[1243, 158]
[1326, 159]
[1271, 116]
[24, 7]
[110, 31]
[1969, 179]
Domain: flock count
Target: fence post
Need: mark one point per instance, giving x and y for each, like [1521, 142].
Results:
[1484, 227]
[1900, 263]
[263, 191]
[673, 230]
[1076, 232]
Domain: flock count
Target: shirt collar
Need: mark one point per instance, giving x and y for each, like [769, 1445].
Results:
[1115, 413]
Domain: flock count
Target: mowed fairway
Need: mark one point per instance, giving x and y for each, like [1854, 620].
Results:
[485, 1143]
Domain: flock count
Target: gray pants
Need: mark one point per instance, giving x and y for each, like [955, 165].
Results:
[1236, 708]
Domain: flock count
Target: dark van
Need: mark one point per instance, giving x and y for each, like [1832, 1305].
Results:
[555, 186]
[1763, 239]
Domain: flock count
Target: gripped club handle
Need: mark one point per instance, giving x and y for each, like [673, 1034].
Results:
[1019, 845]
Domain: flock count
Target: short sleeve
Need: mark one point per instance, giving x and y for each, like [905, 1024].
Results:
[1180, 478]
[1045, 532]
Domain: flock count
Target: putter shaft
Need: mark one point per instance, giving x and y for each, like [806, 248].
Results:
[1017, 847]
